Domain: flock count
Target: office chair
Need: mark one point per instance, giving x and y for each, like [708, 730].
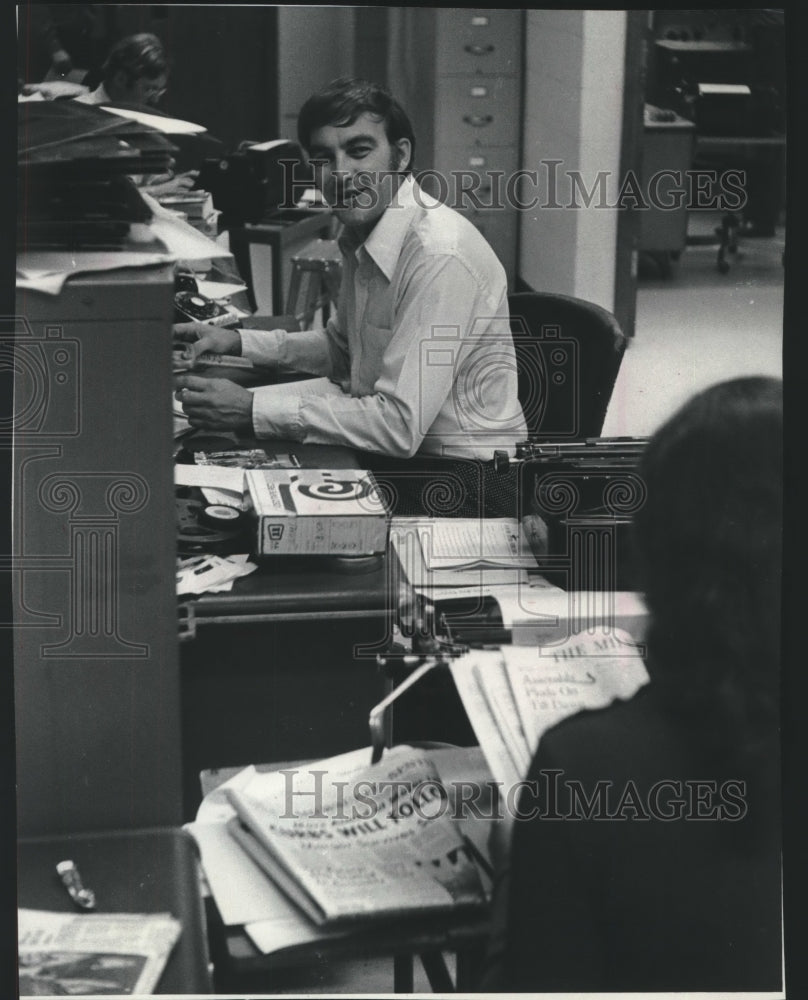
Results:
[568, 354]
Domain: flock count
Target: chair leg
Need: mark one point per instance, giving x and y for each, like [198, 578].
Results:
[294, 292]
[470, 965]
[403, 977]
[436, 972]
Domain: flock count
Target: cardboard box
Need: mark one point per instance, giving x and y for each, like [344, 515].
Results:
[337, 512]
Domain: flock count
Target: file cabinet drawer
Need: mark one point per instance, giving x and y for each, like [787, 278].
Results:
[477, 112]
[483, 172]
[479, 40]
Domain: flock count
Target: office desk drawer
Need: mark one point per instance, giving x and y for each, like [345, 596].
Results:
[479, 112]
[479, 40]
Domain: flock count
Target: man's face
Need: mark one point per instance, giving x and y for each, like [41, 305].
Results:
[146, 90]
[355, 169]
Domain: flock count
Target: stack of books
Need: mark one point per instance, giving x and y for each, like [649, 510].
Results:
[195, 208]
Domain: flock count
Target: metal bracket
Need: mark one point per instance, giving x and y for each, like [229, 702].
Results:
[186, 622]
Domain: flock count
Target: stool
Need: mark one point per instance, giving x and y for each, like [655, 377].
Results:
[320, 263]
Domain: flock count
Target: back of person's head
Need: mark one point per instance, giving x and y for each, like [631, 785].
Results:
[708, 546]
[138, 57]
[342, 101]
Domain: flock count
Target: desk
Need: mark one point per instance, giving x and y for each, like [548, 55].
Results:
[142, 871]
[290, 588]
[299, 675]
[738, 143]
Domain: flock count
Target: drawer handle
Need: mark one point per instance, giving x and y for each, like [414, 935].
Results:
[478, 121]
[479, 50]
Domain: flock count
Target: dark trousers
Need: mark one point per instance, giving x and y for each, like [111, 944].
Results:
[444, 487]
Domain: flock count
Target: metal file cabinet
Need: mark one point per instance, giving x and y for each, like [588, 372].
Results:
[92, 564]
[464, 96]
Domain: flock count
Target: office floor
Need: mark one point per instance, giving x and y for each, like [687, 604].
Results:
[693, 328]
[698, 327]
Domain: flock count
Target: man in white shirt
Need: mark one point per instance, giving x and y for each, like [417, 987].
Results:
[419, 360]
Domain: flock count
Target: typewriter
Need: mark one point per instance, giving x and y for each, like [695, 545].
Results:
[587, 493]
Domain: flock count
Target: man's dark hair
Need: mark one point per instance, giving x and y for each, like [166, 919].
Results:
[342, 101]
[139, 56]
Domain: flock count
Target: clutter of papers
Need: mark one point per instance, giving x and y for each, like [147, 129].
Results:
[246, 897]
[210, 574]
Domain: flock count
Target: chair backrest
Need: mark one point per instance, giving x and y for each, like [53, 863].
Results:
[568, 354]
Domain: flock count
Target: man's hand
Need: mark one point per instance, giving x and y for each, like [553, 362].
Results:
[196, 338]
[53, 90]
[176, 184]
[214, 403]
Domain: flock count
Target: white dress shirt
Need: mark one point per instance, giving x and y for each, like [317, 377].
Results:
[97, 96]
[419, 357]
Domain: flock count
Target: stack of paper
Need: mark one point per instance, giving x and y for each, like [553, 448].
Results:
[244, 897]
[72, 165]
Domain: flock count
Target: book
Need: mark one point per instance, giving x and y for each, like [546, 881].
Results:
[347, 841]
[514, 694]
[83, 954]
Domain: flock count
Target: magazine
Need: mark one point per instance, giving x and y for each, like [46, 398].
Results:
[346, 840]
[93, 954]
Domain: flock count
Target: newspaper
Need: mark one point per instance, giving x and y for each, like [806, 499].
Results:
[513, 695]
[348, 840]
[93, 954]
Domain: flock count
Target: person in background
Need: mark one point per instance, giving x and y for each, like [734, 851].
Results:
[65, 41]
[669, 879]
[135, 73]
[418, 364]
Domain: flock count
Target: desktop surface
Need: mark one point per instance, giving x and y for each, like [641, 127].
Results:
[140, 871]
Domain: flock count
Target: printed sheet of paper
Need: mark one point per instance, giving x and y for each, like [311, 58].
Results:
[548, 615]
[467, 672]
[406, 542]
[494, 683]
[81, 954]
[217, 477]
[586, 671]
[459, 543]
